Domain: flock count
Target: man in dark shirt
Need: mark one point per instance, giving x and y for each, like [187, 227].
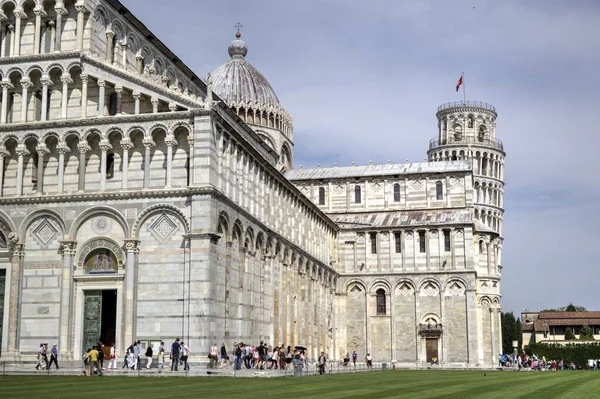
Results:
[175, 349]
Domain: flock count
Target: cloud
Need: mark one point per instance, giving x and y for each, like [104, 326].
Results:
[363, 81]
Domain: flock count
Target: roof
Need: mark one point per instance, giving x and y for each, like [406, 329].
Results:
[569, 319]
[481, 227]
[339, 172]
[403, 218]
[569, 315]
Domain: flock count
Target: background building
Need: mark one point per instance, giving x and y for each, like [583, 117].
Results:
[138, 201]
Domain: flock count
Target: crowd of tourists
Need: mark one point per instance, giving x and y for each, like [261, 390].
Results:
[46, 357]
[534, 362]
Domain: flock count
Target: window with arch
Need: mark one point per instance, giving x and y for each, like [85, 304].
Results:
[396, 192]
[112, 104]
[422, 243]
[381, 305]
[481, 135]
[481, 247]
[321, 195]
[110, 165]
[470, 122]
[357, 195]
[439, 191]
[373, 237]
[38, 105]
[398, 241]
[3, 242]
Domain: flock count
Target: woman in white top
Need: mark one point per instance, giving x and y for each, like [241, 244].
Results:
[112, 364]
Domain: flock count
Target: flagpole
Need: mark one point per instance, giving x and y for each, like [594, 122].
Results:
[464, 90]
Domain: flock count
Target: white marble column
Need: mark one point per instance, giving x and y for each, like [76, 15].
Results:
[62, 149]
[46, 82]
[101, 96]
[148, 144]
[39, 12]
[84, 94]
[17, 47]
[66, 81]
[191, 159]
[104, 147]
[11, 28]
[154, 102]
[126, 145]
[5, 86]
[17, 255]
[83, 148]
[80, 25]
[136, 97]
[41, 150]
[124, 47]
[109, 45]
[65, 310]
[170, 142]
[21, 152]
[119, 91]
[3, 154]
[59, 8]
[25, 84]
[132, 249]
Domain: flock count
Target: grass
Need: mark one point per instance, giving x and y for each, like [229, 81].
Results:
[386, 384]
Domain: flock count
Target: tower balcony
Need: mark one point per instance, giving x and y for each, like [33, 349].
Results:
[467, 104]
[467, 140]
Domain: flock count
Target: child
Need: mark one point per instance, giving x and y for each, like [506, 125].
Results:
[161, 359]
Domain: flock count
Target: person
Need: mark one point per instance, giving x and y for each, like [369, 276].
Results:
[346, 359]
[161, 357]
[185, 353]
[112, 363]
[53, 357]
[214, 356]
[101, 354]
[354, 357]
[40, 357]
[369, 361]
[224, 356]
[95, 361]
[238, 356]
[175, 348]
[322, 363]
[149, 355]
[137, 349]
[87, 363]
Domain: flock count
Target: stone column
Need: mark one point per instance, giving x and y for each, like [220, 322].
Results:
[59, 8]
[39, 12]
[104, 147]
[17, 47]
[3, 154]
[119, 91]
[170, 142]
[83, 148]
[124, 47]
[11, 28]
[21, 152]
[148, 144]
[109, 45]
[126, 145]
[66, 303]
[17, 255]
[5, 86]
[493, 337]
[46, 82]
[62, 149]
[136, 97]
[191, 159]
[84, 94]
[66, 81]
[132, 248]
[154, 102]
[101, 96]
[42, 150]
[80, 22]
[25, 84]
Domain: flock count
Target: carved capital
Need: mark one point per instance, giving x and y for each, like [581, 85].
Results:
[60, 10]
[170, 141]
[137, 95]
[63, 148]
[132, 245]
[17, 250]
[39, 11]
[101, 83]
[3, 152]
[172, 107]
[105, 145]
[26, 83]
[21, 150]
[6, 85]
[85, 78]
[119, 89]
[66, 79]
[80, 9]
[126, 144]
[42, 150]
[148, 143]
[68, 247]
[83, 148]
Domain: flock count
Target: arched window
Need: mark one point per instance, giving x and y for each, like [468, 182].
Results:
[110, 165]
[381, 308]
[481, 134]
[34, 161]
[3, 243]
[396, 192]
[357, 196]
[481, 247]
[38, 105]
[470, 122]
[439, 191]
[321, 195]
[112, 104]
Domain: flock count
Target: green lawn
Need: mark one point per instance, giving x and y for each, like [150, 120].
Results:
[386, 384]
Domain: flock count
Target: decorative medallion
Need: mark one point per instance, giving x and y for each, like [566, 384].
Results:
[484, 284]
[405, 289]
[131, 213]
[339, 188]
[385, 236]
[458, 233]
[456, 182]
[376, 186]
[101, 225]
[433, 234]
[360, 237]
[429, 289]
[44, 233]
[70, 214]
[163, 228]
[417, 184]
[355, 291]
[455, 289]
[409, 236]
[304, 188]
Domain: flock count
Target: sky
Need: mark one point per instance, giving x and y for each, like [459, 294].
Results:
[363, 80]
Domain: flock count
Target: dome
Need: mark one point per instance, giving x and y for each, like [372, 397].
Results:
[239, 84]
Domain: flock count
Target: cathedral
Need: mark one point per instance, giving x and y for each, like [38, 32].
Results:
[139, 201]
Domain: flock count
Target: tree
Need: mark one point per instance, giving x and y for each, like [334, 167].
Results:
[570, 308]
[586, 334]
[509, 332]
[519, 329]
[569, 336]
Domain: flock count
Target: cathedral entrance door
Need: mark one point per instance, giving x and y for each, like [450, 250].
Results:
[99, 317]
[431, 348]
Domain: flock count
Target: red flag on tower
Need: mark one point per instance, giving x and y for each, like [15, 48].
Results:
[460, 82]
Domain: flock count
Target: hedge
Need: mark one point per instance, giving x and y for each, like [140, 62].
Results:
[576, 353]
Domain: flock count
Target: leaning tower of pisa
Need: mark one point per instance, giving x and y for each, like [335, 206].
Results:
[467, 130]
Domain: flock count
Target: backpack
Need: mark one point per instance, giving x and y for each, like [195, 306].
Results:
[149, 352]
[86, 358]
[238, 352]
